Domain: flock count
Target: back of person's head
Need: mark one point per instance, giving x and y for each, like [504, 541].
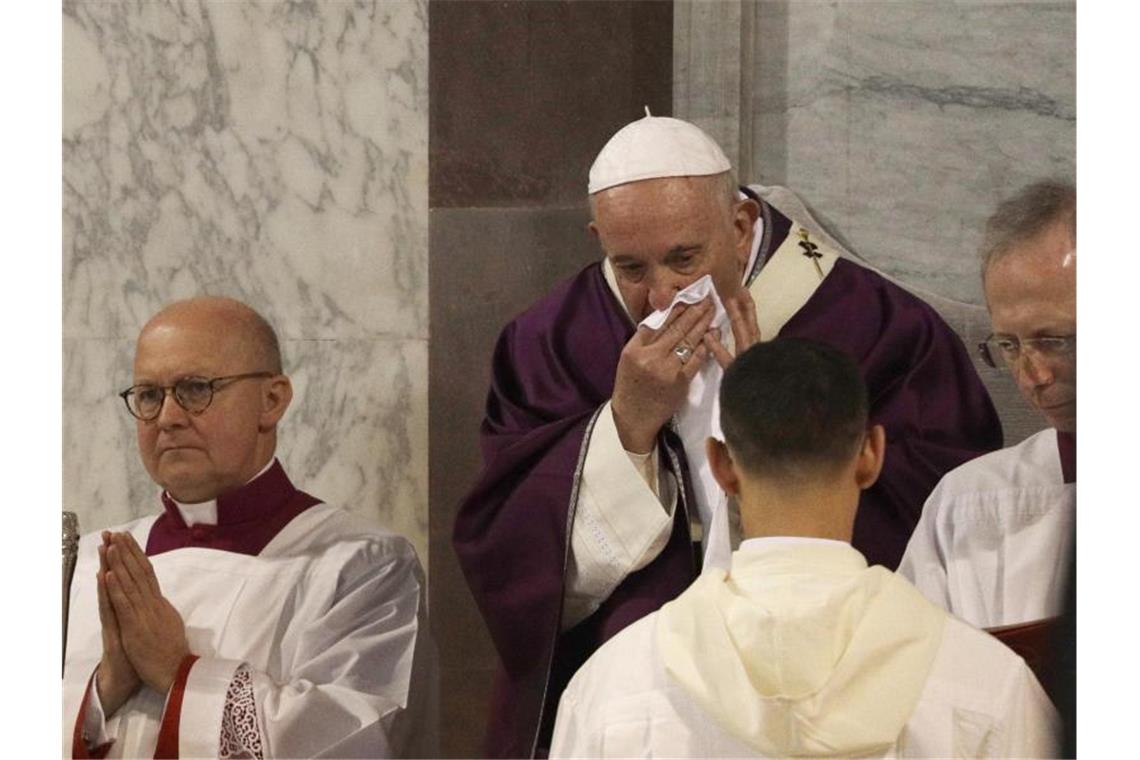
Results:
[793, 409]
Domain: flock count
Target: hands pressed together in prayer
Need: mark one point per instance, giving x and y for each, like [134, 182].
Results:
[144, 638]
[656, 366]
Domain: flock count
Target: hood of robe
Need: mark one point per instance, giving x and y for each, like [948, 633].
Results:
[801, 649]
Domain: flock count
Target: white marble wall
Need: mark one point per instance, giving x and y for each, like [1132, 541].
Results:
[277, 153]
[901, 123]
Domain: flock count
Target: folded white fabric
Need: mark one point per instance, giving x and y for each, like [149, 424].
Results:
[698, 419]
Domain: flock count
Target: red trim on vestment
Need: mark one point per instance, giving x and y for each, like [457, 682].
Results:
[78, 744]
[167, 746]
[1067, 448]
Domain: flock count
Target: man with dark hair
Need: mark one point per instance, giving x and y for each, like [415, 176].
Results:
[801, 649]
[791, 413]
[596, 504]
[996, 534]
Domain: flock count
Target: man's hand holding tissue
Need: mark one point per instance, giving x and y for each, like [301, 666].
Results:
[654, 372]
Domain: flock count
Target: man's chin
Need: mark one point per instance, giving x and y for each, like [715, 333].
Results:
[1063, 417]
[186, 485]
[1067, 425]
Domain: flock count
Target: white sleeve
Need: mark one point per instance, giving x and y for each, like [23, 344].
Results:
[621, 522]
[572, 738]
[360, 682]
[95, 721]
[1030, 726]
[924, 562]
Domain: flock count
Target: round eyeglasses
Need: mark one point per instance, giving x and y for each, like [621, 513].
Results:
[193, 394]
[1004, 351]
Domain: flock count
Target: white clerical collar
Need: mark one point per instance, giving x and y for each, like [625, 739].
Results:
[206, 512]
[771, 540]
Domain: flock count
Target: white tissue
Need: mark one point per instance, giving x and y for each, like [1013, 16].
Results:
[697, 420]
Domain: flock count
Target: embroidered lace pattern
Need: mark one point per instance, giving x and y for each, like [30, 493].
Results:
[241, 737]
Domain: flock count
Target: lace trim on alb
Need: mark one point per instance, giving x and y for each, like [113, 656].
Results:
[241, 736]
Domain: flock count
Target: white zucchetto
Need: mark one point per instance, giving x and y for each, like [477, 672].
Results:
[653, 147]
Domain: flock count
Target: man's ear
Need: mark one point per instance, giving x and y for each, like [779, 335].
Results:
[723, 469]
[592, 230]
[276, 395]
[871, 456]
[744, 216]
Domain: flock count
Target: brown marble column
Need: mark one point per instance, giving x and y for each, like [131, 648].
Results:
[522, 95]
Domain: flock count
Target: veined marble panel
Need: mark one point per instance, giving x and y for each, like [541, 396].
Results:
[708, 65]
[357, 433]
[103, 480]
[277, 153]
[901, 124]
[277, 149]
[904, 123]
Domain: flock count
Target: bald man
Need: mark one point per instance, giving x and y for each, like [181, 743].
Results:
[246, 618]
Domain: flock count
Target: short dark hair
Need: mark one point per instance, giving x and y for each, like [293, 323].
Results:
[792, 408]
[1026, 215]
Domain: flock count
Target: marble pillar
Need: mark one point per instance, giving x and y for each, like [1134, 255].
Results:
[277, 153]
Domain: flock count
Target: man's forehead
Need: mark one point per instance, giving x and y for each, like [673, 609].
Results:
[1030, 306]
[678, 190]
[679, 212]
[162, 331]
[1053, 247]
[184, 348]
[1047, 259]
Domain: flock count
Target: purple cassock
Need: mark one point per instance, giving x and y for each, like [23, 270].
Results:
[554, 367]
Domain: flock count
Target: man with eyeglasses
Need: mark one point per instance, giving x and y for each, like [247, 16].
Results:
[247, 618]
[995, 537]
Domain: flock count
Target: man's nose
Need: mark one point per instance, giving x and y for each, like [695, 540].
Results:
[661, 294]
[1033, 368]
[171, 413]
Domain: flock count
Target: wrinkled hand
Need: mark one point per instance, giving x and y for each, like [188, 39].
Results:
[652, 381]
[741, 310]
[151, 630]
[117, 679]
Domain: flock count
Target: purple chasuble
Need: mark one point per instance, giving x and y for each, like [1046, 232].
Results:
[554, 367]
[248, 517]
